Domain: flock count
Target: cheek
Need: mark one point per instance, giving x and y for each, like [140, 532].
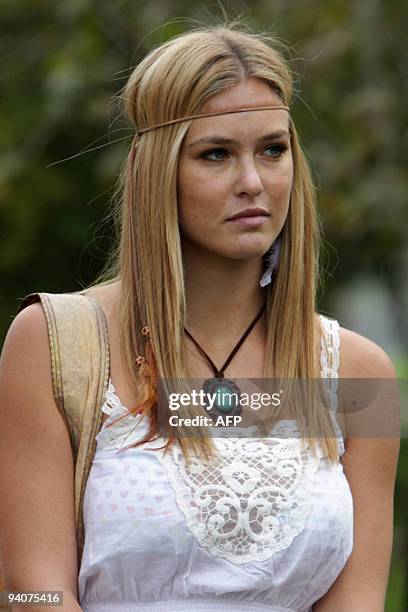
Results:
[192, 210]
[198, 199]
[280, 187]
[195, 210]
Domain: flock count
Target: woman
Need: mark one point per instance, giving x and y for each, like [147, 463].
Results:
[216, 271]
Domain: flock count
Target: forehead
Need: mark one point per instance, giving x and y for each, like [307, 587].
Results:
[247, 94]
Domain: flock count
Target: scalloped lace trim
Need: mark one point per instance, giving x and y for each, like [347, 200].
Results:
[330, 356]
[126, 431]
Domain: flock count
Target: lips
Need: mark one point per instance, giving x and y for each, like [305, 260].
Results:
[247, 222]
[249, 212]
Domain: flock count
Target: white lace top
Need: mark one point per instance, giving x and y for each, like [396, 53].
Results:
[268, 527]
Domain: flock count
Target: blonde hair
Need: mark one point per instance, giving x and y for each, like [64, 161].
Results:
[175, 80]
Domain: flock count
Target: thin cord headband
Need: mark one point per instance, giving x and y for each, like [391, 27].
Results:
[213, 114]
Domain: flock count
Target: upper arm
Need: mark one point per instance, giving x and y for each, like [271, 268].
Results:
[37, 539]
[370, 464]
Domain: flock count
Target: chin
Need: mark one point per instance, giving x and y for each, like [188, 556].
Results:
[244, 253]
[232, 247]
[247, 251]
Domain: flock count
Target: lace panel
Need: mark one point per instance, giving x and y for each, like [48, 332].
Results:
[251, 502]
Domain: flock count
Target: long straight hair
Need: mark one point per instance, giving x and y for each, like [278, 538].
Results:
[175, 80]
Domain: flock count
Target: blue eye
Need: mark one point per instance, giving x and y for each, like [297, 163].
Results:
[279, 150]
[207, 153]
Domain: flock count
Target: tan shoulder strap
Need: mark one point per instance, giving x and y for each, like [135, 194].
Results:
[79, 346]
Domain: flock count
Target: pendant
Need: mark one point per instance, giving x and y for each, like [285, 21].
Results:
[227, 396]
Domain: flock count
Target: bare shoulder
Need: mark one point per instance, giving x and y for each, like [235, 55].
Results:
[27, 332]
[372, 440]
[25, 373]
[360, 357]
[37, 462]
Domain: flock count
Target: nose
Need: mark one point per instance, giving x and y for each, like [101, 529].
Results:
[248, 180]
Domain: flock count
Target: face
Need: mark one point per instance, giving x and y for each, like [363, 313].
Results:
[244, 164]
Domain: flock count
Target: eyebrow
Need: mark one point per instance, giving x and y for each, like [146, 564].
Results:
[220, 140]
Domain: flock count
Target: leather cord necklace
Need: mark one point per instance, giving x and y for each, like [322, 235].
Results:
[226, 391]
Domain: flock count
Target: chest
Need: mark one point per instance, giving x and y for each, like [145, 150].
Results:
[246, 365]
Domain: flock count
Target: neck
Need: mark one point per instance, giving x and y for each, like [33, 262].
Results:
[223, 296]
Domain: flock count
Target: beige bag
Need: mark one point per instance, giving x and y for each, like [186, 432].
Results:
[79, 345]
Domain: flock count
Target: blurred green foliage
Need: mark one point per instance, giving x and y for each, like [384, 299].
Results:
[63, 63]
